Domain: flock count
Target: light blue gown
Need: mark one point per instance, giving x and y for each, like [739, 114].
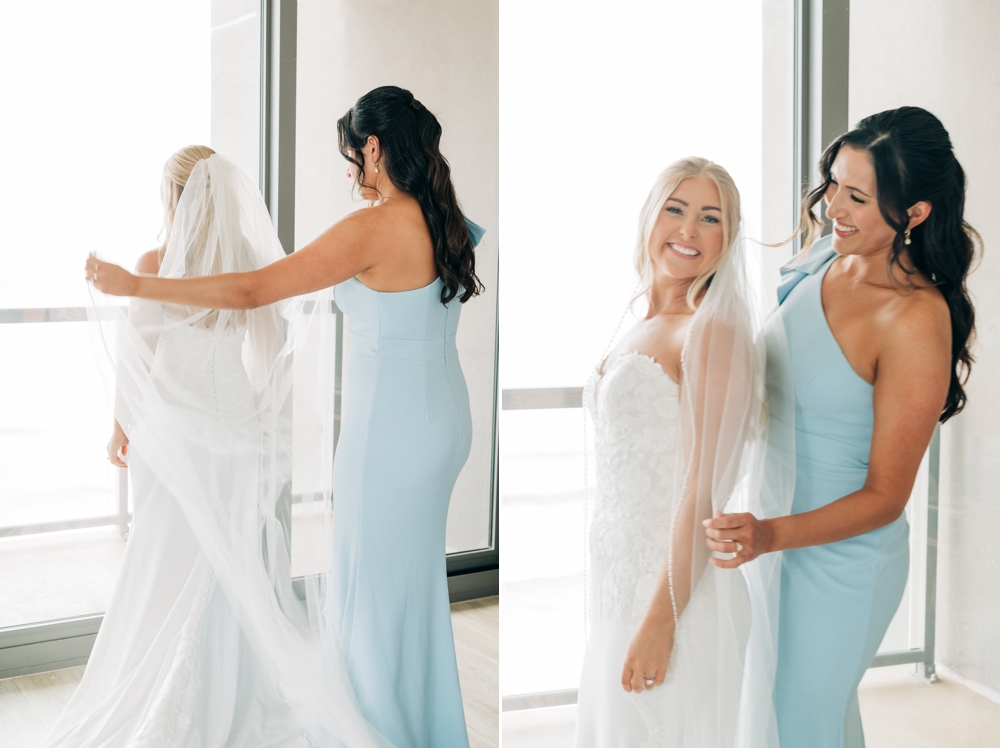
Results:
[406, 431]
[837, 600]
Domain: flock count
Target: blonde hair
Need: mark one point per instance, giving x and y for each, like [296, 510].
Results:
[176, 172]
[663, 188]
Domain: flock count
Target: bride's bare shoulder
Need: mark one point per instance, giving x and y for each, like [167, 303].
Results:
[148, 263]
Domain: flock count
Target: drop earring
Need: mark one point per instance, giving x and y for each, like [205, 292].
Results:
[906, 240]
[376, 171]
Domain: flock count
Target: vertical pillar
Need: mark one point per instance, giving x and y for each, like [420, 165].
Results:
[279, 40]
[123, 518]
[930, 594]
[822, 57]
[278, 54]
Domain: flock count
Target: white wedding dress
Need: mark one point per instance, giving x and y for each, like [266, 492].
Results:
[669, 457]
[205, 643]
[636, 412]
[171, 665]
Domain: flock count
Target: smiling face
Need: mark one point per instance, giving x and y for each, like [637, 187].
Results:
[858, 225]
[687, 237]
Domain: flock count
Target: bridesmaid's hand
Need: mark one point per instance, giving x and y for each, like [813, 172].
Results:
[109, 278]
[741, 534]
[648, 655]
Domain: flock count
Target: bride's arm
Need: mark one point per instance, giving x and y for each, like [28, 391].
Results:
[648, 654]
[649, 650]
[715, 410]
[341, 252]
[146, 321]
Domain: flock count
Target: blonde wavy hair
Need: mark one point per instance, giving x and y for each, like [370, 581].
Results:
[663, 188]
[176, 172]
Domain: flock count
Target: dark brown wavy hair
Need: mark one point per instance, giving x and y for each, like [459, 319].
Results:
[410, 138]
[914, 161]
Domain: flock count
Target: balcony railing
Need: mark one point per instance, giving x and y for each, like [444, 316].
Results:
[119, 519]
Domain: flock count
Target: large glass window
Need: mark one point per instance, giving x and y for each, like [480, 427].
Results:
[596, 101]
[97, 96]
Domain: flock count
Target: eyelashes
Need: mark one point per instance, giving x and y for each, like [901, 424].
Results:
[832, 185]
[674, 210]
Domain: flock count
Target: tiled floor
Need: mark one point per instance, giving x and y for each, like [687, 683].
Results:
[29, 705]
[898, 710]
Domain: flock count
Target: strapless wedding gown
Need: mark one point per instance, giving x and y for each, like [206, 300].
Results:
[171, 665]
[635, 410]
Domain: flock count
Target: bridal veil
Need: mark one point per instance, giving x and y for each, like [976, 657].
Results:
[737, 432]
[265, 528]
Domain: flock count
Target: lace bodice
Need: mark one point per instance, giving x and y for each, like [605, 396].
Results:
[208, 365]
[635, 410]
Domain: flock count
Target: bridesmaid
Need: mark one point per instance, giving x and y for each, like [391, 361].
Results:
[878, 323]
[401, 270]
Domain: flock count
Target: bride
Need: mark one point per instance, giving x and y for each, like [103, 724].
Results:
[204, 643]
[675, 407]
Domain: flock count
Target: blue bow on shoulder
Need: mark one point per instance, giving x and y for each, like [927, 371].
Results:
[818, 255]
[475, 232]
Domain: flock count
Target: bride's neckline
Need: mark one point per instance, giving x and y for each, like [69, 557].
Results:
[632, 355]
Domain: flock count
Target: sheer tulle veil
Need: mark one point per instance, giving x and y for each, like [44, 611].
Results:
[255, 490]
[737, 432]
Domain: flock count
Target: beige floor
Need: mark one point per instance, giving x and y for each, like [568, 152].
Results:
[899, 711]
[477, 645]
[30, 704]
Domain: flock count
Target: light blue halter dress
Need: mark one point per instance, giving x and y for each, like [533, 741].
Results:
[406, 431]
[837, 600]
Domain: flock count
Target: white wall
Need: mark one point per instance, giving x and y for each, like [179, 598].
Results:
[943, 55]
[447, 53]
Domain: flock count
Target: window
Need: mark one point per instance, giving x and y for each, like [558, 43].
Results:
[596, 101]
[103, 93]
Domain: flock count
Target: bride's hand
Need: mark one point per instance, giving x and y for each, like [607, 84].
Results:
[648, 655]
[118, 447]
[109, 278]
[741, 534]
